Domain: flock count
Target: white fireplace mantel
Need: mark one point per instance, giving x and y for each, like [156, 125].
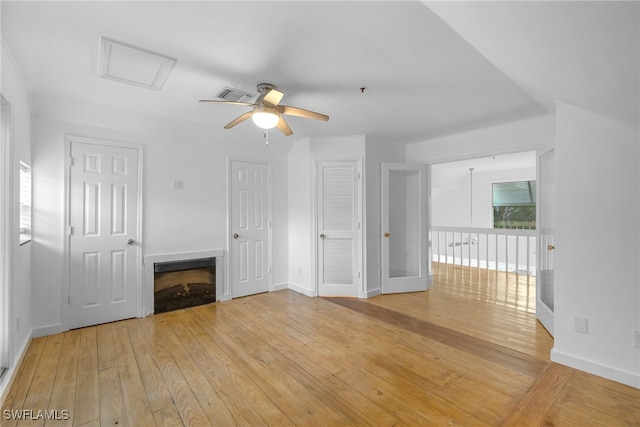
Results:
[150, 260]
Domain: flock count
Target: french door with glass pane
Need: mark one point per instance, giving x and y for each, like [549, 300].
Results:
[405, 226]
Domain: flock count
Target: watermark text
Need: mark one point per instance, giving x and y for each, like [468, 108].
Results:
[33, 414]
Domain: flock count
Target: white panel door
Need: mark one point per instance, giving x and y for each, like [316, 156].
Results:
[546, 221]
[338, 228]
[405, 261]
[104, 257]
[250, 224]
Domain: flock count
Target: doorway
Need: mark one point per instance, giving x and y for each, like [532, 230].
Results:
[339, 228]
[5, 234]
[250, 227]
[482, 224]
[546, 209]
[405, 219]
[104, 180]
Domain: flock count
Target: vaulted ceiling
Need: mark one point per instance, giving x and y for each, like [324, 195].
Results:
[429, 68]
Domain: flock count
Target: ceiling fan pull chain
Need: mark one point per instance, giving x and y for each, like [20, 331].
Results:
[266, 138]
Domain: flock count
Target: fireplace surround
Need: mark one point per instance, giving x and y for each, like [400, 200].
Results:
[221, 287]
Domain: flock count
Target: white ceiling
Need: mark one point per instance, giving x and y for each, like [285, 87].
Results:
[489, 63]
[585, 53]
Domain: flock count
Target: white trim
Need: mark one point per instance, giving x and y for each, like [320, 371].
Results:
[373, 292]
[10, 376]
[280, 286]
[150, 260]
[6, 244]
[66, 280]
[228, 294]
[629, 378]
[180, 256]
[302, 290]
[54, 328]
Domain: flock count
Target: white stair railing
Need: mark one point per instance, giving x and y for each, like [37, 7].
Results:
[512, 250]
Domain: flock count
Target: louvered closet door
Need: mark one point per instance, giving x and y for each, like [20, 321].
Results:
[338, 228]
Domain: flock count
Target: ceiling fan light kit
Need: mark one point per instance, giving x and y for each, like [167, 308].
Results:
[265, 117]
[267, 112]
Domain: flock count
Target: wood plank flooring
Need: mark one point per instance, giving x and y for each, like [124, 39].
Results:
[468, 352]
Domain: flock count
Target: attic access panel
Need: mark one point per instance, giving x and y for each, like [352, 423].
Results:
[133, 65]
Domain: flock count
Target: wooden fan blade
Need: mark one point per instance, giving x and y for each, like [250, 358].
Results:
[300, 112]
[237, 120]
[220, 101]
[284, 126]
[273, 97]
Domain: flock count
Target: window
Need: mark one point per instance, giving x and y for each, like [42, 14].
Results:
[514, 204]
[25, 203]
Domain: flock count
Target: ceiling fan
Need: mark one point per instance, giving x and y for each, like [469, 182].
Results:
[267, 112]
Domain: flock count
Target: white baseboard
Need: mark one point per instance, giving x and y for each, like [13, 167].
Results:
[43, 331]
[301, 290]
[373, 292]
[280, 286]
[10, 376]
[629, 378]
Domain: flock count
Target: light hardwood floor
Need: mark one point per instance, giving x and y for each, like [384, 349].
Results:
[468, 352]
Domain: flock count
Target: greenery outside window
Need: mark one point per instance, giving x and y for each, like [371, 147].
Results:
[514, 205]
[25, 203]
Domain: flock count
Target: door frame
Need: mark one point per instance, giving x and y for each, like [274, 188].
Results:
[544, 314]
[361, 259]
[66, 268]
[424, 184]
[6, 225]
[228, 281]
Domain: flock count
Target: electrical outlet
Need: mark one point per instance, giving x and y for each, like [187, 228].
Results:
[636, 339]
[178, 184]
[581, 325]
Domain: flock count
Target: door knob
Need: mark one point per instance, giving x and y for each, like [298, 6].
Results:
[322, 236]
[131, 242]
[387, 234]
[236, 235]
[550, 247]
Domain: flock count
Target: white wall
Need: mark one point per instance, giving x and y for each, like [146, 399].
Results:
[300, 189]
[597, 243]
[15, 92]
[450, 198]
[191, 219]
[302, 158]
[597, 274]
[527, 135]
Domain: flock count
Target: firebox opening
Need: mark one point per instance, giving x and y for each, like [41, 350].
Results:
[182, 284]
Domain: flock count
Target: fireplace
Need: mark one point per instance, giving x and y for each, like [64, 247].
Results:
[183, 283]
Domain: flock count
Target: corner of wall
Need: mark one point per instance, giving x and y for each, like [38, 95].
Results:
[302, 290]
[596, 368]
[11, 374]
